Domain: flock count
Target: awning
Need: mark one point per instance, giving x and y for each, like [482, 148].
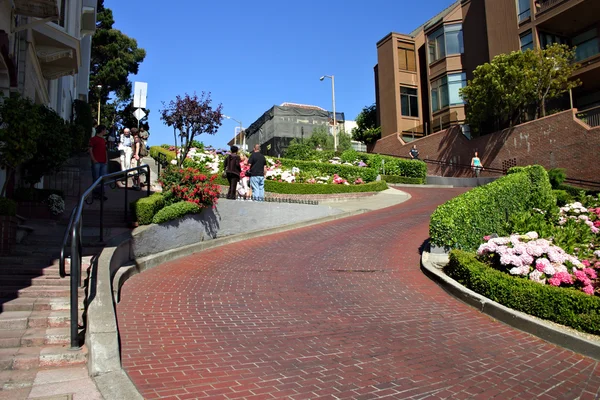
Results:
[37, 8]
[58, 52]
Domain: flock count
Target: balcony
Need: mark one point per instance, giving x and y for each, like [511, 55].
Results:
[545, 5]
[37, 8]
[57, 51]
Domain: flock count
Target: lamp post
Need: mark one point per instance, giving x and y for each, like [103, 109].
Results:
[335, 138]
[99, 89]
[241, 130]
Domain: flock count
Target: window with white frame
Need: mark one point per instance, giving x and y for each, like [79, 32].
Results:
[445, 41]
[446, 91]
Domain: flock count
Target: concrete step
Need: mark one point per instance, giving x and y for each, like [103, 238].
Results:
[34, 291]
[35, 337]
[27, 259]
[19, 320]
[28, 358]
[39, 304]
[25, 281]
[12, 383]
[29, 270]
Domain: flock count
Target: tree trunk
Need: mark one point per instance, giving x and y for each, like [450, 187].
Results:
[10, 174]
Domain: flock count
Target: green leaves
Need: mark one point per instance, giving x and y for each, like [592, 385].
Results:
[367, 130]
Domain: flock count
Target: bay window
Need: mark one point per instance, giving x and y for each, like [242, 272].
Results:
[445, 41]
[446, 91]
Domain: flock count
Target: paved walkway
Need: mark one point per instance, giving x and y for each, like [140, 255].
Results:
[338, 310]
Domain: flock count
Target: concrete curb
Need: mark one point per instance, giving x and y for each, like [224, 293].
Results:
[553, 333]
[102, 336]
[409, 185]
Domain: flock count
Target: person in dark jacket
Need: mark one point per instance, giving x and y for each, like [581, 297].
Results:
[233, 170]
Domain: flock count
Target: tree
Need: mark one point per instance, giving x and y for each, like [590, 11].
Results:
[502, 91]
[115, 56]
[20, 128]
[344, 141]
[191, 116]
[367, 130]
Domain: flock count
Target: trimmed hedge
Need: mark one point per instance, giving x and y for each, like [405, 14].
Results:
[175, 211]
[566, 306]
[8, 207]
[562, 197]
[35, 195]
[155, 150]
[396, 166]
[316, 188]
[345, 171]
[403, 179]
[462, 222]
[145, 208]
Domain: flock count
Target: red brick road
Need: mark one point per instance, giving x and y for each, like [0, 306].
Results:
[338, 310]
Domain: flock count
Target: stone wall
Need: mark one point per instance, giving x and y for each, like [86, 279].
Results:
[557, 141]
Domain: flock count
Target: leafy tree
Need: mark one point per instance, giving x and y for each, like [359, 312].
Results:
[344, 141]
[191, 116]
[367, 130]
[115, 56]
[20, 129]
[299, 150]
[320, 138]
[503, 90]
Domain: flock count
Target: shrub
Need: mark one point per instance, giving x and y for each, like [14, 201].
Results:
[156, 150]
[145, 208]
[315, 188]
[557, 176]
[8, 207]
[565, 306]
[55, 204]
[562, 197]
[347, 172]
[397, 166]
[175, 211]
[403, 179]
[190, 184]
[34, 194]
[349, 156]
[462, 222]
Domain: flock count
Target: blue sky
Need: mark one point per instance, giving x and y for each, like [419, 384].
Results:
[252, 55]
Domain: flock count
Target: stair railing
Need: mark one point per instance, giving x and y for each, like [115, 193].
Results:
[74, 232]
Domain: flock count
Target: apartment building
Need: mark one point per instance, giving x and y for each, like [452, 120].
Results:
[45, 51]
[418, 75]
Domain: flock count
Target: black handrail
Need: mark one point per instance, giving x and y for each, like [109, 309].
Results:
[74, 231]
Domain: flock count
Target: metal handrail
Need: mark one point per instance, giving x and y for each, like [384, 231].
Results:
[74, 231]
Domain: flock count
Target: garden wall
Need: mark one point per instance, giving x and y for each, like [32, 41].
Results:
[558, 141]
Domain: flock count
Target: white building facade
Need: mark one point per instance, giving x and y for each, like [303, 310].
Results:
[45, 51]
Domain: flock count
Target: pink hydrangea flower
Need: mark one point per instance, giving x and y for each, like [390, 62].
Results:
[554, 281]
[586, 263]
[591, 273]
[486, 238]
[588, 289]
[541, 263]
[537, 276]
[564, 277]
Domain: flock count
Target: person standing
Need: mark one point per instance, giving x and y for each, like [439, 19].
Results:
[233, 170]
[476, 165]
[125, 152]
[135, 157]
[99, 157]
[258, 168]
[414, 153]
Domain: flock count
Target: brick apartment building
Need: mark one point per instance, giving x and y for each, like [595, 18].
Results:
[418, 75]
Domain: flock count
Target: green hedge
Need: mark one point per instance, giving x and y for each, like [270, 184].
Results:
[396, 166]
[317, 188]
[403, 179]
[347, 172]
[562, 197]
[35, 195]
[462, 222]
[565, 306]
[155, 150]
[145, 208]
[175, 211]
[8, 207]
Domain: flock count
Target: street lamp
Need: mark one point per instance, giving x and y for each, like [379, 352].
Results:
[99, 89]
[241, 130]
[335, 138]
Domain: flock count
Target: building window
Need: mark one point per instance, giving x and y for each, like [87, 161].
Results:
[527, 41]
[548, 39]
[406, 57]
[446, 91]
[409, 102]
[523, 10]
[446, 40]
[587, 44]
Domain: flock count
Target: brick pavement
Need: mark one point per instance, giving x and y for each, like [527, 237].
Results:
[338, 310]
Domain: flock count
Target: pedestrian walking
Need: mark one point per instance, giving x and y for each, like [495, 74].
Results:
[414, 153]
[258, 169]
[476, 165]
[125, 143]
[99, 157]
[136, 158]
[233, 170]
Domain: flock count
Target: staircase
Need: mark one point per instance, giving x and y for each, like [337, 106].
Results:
[35, 317]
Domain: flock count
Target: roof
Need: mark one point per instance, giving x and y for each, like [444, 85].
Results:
[436, 18]
[296, 105]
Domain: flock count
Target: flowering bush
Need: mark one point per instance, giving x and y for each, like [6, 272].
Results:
[540, 261]
[189, 184]
[579, 213]
[56, 204]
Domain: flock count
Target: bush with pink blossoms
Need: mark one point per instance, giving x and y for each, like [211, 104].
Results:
[540, 261]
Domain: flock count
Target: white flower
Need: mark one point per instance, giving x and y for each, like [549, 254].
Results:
[174, 162]
[533, 235]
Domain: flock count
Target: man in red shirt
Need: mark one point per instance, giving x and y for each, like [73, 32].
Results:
[98, 156]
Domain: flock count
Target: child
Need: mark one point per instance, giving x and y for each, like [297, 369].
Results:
[243, 186]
